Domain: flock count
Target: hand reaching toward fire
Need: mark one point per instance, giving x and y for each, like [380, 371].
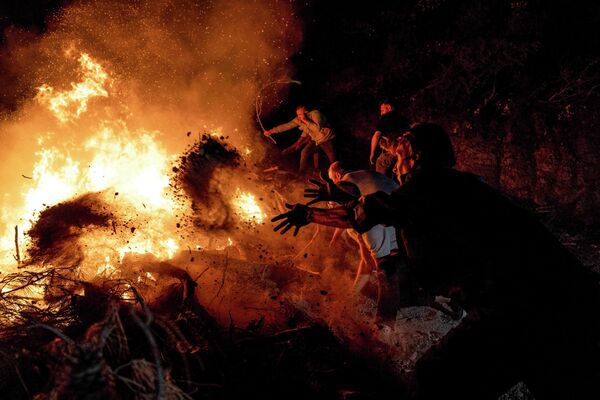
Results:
[326, 190]
[297, 217]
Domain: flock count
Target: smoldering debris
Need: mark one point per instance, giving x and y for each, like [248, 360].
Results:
[194, 177]
[118, 346]
[54, 235]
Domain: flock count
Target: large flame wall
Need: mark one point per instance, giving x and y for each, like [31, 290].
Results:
[110, 90]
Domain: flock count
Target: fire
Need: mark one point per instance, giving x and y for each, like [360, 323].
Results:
[247, 207]
[133, 163]
[70, 104]
[129, 167]
[107, 268]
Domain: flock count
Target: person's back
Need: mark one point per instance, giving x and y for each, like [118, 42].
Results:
[462, 226]
[369, 182]
[533, 311]
[526, 295]
[392, 124]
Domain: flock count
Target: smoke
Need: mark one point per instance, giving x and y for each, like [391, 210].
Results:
[178, 63]
[174, 66]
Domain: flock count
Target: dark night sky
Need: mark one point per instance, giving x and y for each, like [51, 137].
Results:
[27, 13]
[343, 39]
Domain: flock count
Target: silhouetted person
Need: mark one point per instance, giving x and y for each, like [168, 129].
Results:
[316, 135]
[532, 309]
[391, 125]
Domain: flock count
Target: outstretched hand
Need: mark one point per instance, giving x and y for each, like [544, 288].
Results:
[325, 190]
[297, 217]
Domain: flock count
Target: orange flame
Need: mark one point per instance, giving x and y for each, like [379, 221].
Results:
[70, 104]
[130, 167]
[247, 207]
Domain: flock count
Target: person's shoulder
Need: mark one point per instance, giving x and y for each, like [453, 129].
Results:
[442, 176]
[398, 116]
[453, 175]
[360, 173]
[394, 118]
[352, 176]
[469, 178]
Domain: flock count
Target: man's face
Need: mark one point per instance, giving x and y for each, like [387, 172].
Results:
[385, 108]
[335, 176]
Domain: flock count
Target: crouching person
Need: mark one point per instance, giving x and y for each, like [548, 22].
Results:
[533, 311]
[380, 241]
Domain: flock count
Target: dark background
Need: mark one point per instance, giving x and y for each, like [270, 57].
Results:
[516, 84]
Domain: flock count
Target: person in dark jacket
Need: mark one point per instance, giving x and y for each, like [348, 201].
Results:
[533, 310]
[390, 126]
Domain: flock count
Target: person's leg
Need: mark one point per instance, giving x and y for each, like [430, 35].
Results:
[388, 299]
[329, 150]
[306, 155]
[316, 160]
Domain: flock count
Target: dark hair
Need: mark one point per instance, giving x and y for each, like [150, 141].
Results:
[301, 105]
[434, 145]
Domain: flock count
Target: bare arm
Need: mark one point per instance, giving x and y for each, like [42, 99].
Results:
[338, 217]
[301, 215]
[283, 127]
[374, 144]
[360, 215]
[296, 146]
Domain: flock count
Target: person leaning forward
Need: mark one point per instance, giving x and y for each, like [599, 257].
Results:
[317, 135]
[380, 241]
[533, 311]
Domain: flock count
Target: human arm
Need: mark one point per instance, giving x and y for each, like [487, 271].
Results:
[360, 215]
[374, 144]
[283, 127]
[379, 208]
[297, 145]
[301, 215]
[327, 190]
